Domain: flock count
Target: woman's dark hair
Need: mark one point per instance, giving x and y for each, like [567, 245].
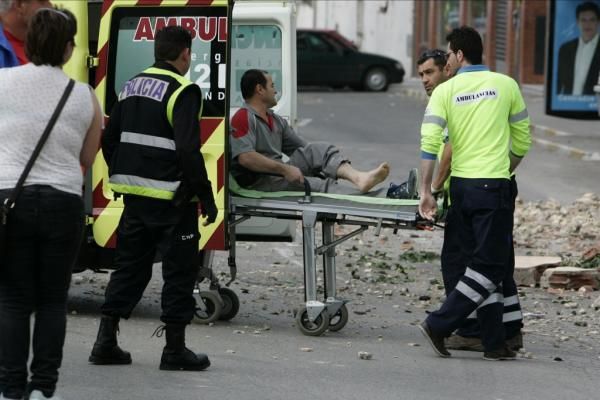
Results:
[50, 30]
[170, 41]
[468, 41]
[250, 79]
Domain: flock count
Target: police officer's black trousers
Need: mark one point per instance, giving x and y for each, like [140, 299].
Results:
[453, 268]
[483, 216]
[148, 225]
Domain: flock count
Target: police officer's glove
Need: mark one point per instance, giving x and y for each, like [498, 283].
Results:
[209, 211]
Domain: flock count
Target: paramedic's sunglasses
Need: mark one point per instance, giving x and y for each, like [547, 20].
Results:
[435, 54]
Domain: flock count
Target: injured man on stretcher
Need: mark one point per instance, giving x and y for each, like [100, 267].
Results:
[259, 139]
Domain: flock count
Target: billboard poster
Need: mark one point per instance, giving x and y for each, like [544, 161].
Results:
[574, 58]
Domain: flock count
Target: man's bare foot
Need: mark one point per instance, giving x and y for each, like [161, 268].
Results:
[367, 180]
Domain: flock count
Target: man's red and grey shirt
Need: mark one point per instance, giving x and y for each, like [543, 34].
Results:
[271, 138]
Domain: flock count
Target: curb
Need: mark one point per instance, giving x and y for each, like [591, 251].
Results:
[571, 152]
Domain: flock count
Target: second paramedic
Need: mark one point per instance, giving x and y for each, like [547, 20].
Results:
[152, 147]
[480, 186]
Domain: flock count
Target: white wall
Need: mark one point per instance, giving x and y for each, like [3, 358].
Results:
[376, 26]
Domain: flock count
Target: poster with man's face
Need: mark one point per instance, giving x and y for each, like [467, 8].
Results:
[574, 66]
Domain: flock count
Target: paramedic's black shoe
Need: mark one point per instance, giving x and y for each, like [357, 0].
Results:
[457, 342]
[436, 341]
[501, 354]
[515, 343]
[106, 351]
[177, 357]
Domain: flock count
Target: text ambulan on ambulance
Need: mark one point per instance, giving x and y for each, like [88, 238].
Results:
[125, 48]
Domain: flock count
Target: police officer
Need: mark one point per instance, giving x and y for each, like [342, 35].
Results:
[484, 112]
[152, 147]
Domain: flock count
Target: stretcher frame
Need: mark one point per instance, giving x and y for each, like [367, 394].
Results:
[317, 316]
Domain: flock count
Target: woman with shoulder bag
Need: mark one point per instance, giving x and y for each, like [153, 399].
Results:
[45, 221]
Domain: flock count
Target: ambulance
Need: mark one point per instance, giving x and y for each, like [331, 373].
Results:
[115, 41]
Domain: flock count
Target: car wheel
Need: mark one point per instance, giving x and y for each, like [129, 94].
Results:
[376, 80]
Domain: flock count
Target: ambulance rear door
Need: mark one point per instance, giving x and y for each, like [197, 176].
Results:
[125, 48]
[264, 37]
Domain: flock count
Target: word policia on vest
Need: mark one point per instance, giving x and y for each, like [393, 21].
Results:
[144, 86]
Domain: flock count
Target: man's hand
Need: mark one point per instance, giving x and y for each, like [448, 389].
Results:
[209, 211]
[293, 174]
[427, 206]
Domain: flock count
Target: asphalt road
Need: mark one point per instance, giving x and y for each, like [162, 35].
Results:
[260, 355]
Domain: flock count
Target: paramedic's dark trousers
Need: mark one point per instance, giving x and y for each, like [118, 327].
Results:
[148, 225]
[453, 268]
[483, 218]
[44, 235]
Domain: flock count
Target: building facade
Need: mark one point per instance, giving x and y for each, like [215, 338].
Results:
[513, 31]
[378, 26]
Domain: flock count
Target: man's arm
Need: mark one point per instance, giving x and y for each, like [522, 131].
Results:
[520, 133]
[258, 163]
[432, 128]
[112, 134]
[186, 129]
[443, 171]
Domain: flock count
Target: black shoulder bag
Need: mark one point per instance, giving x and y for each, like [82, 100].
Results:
[9, 202]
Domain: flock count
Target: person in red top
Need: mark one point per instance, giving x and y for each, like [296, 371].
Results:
[14, 20]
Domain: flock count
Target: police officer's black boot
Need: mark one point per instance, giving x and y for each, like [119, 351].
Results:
[106, 351]
[177, 357]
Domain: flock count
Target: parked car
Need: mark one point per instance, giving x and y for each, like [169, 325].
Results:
[327, 58]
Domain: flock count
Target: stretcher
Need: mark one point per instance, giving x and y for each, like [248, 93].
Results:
[361, 211]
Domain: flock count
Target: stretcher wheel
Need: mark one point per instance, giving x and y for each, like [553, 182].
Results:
[315, 328]
[208, 307]
[231, 304]
[339, 319]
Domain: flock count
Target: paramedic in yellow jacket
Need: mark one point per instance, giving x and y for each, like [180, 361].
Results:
[483, 112]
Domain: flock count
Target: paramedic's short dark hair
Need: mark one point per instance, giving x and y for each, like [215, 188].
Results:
[250, 79]
[587, 6]
[170, 41]
[50, 30]
[438, 56]
[468, 41]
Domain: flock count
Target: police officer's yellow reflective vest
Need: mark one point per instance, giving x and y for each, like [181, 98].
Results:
[145, 162]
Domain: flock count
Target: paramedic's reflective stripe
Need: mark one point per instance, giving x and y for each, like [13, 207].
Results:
[512, 316]
[183, 82]
[511, 300]
[518, 116]
[470, 293]
[147, 140]
[480, 279]
[434, 119]
[131, 184]
[507, 316]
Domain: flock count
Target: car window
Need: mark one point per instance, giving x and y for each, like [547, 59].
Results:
[255, 46]
[318, 44]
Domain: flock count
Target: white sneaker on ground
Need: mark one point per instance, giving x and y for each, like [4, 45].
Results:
[37, 395]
